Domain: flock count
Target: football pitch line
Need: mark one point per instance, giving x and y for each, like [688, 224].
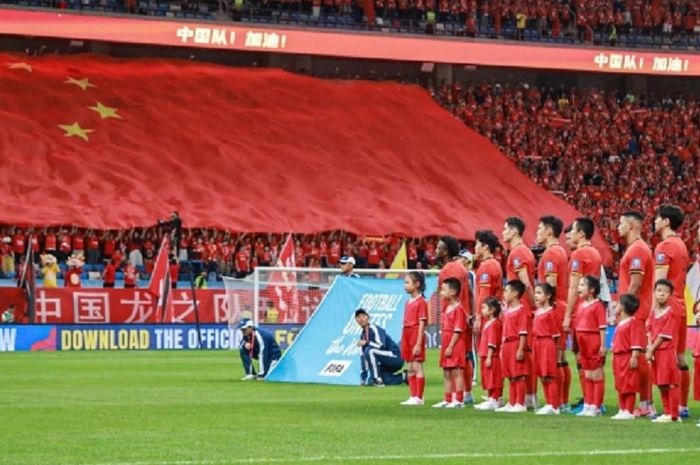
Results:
[398, 457]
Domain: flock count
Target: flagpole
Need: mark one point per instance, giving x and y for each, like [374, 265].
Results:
[196, 308]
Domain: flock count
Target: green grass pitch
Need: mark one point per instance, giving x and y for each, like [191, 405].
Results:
[189, 408]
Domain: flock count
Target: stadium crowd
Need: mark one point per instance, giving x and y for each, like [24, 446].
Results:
[217, 252]
[648, 23]
[603, 153]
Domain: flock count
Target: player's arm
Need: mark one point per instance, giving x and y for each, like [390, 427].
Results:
[635, 283]
[654, 346]
[377, 341]
[571, 300]
[489, 356]
[525, 279]
[450, 347]
[421, 334]
[661, 272]
[520, 355]
[551, 279]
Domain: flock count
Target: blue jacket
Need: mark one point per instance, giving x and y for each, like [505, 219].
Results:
[378, 339]
[265, 348]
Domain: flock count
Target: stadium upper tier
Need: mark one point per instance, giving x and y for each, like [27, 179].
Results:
[604, 153]
[630, 23]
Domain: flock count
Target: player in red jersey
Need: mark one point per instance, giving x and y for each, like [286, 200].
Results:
[591, 325]
[628, 342]
[546, 331]
[636, 277]
[448, 255]
[453, 352]
[585, 260]
[521, 266]
[415, 318]
[672, 261]
[662, 351]
[489, 275]
[553, 269]
[514, 345]
[489, 354]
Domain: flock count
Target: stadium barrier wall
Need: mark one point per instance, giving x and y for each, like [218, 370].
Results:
[50, 338]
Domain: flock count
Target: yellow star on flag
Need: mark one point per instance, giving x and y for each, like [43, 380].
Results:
[75, 130]
[82, 83]
[25, 66]
[105, 111]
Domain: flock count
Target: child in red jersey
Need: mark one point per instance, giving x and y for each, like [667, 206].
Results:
[489, 354]
[453, 347]
[662, 351]
[415, 318]
[591, 325]
[513, 357]
[628, 343]
[546, 334]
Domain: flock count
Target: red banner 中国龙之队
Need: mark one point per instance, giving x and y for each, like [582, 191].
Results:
[345, 44]
[117, 306]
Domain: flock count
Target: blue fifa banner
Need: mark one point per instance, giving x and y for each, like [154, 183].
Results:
[130, 337]
[326, 351]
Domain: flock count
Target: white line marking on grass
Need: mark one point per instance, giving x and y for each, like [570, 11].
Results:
[397, 457]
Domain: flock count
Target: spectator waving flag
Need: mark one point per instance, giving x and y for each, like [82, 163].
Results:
[27, 280]
[160, 286]
[400, 262]
[284, 283]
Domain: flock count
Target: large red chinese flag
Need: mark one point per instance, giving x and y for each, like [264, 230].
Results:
[284, 285]
[106, 143]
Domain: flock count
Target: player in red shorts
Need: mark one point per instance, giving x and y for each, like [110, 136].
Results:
[628, 342]
[545, 335]
[489, 354]
[591, 325]
[672, 261]
[448, 256]
[514, 345]
[636, 277]
[662, 352]
[553, 269]
[521, 266]
[415, 317]
[453, 347]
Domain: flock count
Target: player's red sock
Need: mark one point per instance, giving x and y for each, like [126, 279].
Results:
[685, 386]
[588, 391]
[448, 396]
[512, 393]
[554, 394]
[566, 383]
[545, 391]
[412, 385]
[520, 388]
[598, 392]
[621, 400]
[666, 401]
[468, 376]
[459, 395]
[420, 386]
[531, 378]
[495, 393]
[644, 380]
[674, 398]
[630, 397]
[582, 382]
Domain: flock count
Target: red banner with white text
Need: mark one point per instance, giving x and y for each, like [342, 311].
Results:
[345, 44]
[118, 306]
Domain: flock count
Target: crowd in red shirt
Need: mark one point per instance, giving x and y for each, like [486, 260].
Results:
[601, 152]
[217, 251]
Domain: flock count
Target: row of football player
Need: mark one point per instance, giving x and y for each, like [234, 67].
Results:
[566, 279]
